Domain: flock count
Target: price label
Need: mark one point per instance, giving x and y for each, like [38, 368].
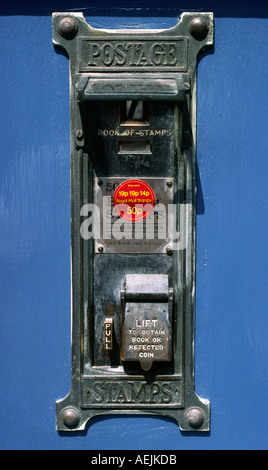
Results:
[134, 200]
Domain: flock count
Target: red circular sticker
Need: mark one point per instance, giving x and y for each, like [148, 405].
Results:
[134, 200]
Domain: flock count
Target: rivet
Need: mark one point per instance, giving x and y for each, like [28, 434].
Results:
[169, 184]
[194, 417]
[79, 134]
[100, 249]
[67, 27]
[169, 250]
[70, 417]
[198, 27]
[187, 86]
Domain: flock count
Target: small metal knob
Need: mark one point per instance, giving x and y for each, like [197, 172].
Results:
[194, 417]
[198, 28]
[70, 417]
[67, 27]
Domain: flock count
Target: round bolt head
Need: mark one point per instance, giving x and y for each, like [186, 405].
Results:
[198, 28]
[79, 134]
[187, 86]
[194, 417]
[169, 250]
[70, 417]
[67, 27]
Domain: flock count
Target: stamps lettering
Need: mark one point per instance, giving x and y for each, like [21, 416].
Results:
[127, 392]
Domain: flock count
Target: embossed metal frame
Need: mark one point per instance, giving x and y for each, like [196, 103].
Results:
[178, 400]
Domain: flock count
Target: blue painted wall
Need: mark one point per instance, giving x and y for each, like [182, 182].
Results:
[232, 229]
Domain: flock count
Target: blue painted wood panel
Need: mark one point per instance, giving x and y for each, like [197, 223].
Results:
[232, 229]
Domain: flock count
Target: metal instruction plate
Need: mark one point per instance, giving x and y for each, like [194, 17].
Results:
[146, 333]
[125, 233]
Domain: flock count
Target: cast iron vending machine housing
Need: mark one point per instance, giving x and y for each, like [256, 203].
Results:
[133, 157]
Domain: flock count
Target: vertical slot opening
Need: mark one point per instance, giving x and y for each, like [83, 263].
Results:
[134, 112]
